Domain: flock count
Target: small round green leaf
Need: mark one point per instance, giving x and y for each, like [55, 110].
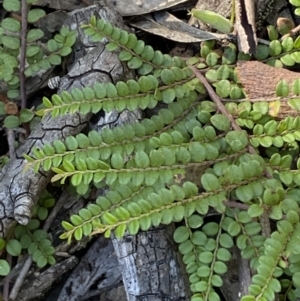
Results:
[35, 14]
[11, 122]
[13, 247]
[26, 115]
[4, 267]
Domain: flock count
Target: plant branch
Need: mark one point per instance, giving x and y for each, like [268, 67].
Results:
[215, 98]
[264, 219]
[23, 54]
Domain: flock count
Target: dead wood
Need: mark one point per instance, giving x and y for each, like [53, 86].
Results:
[260, 80]
[151, 266]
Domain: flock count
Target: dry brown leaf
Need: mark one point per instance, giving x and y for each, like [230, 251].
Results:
[166, 25]
[11, 108]
[139, 7]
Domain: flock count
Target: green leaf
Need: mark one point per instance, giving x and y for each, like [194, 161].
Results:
[223, 88]
[234, 228]
[248, 298]
[4, 266]
[2, 244]
[212, 59]
[42, 212]
[35, 14]
[199, 238]
[216, 281]
[34, 34]
[296, 280]
[294, 103]
[181, 234]
[211, 229]
[11, 122]
[195, 221]
[11, 24]
[245, 193]
[141, 159]
[282, 88]
[262, 52]
[111, 46]
[41, 261]
[64, 31]
[203, 271]
[226, 241]
[287, 60]
[125, 56]
[78, 234]
[287, 44]
[120, 230]
[296, 86]
[236, 92]
[66, 50]
[109, 219]
[168, 95]
[133, 227]
[12, 94]
[229, 55]
[220, 122]
[67, 226]
[13, 247]
[32, 50]
[212, 76]
[275, 48]
[238, 140]
[26, 115]
[216, 20]
[52, 45]
[201, 286]
[223, 254]
[206, 257]
[213, 296]
[55, 59]
[11, 42]
[135, 63]
[12, 5]
[76, 179]
[255, 210]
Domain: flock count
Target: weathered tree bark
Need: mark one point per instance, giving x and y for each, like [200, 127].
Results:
[42, 283]
[98, 268]
[151, 266]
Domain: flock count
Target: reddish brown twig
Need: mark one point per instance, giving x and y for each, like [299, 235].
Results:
[215, 98]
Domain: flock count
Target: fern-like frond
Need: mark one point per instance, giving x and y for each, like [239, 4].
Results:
[133, 51]
[265, 283]
[124, 139]
[131, 95]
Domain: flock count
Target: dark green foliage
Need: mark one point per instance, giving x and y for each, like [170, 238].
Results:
[31, 237]
[186, 159]
[40, 57]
